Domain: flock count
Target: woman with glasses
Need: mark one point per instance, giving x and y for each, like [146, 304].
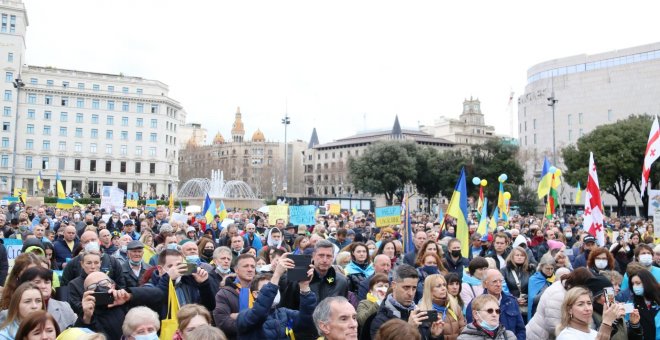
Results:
[90, 262]
[25, 301]
[542, 279]
[576, 317]
[486, 325]
[436, 297]
[41, 278]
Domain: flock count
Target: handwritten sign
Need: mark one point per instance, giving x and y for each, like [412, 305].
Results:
[13, 247]
[386, 216]
[276, 212]
[302, 214]
[334, 208]
[112, 199]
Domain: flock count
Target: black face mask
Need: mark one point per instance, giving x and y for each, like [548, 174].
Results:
[207, 252]
[456, 253]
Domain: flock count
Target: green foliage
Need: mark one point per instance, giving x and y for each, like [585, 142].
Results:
[384, 168]
[489, 161]
[527, 201]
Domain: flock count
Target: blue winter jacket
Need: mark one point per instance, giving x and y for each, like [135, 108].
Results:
[510, 316]
[264, 322]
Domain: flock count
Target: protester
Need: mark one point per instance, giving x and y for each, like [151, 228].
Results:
[335, 319]
[597, 286]
[539, 281]
[418, 240]
[206, 332]
[235, 296]
[141, 323]
[64, 247]
[134, 269]
[454, 289]
[486, 314]
[39, 325]
[192, 288]
[472, 281]
[576, 317]
[436, 297]
[646, 299]
[22, 263]
[367, 309]
[382, 265]
[190, 317]
[643, 255]
[90, 262]
[25, 301]
[453, 259]
[600, 259]
[516, 277]
[360, 266]
[588, 244]
[89, 241]
[41, 278]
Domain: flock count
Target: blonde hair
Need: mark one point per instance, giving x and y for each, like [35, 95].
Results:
[569, 299]
[426, 303]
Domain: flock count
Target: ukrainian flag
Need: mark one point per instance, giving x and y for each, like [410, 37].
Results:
[207, 204]
[458, 209]
[546, 179]
[210, 212]
[578, 194]
[40, 181]
[222, 212]
[65, 203]
[60, 188]
[483, 222]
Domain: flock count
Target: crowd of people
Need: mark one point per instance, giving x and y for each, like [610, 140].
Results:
[86, 273]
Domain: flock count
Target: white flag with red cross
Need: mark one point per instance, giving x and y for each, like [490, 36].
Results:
[651, 154]
[593, 213]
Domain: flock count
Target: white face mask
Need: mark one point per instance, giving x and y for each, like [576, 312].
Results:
[601, 264]
[93, 247]
[646, 259]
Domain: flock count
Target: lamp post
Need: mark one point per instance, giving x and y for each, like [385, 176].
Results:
[552, 102]
[286, 121]
[18, 84]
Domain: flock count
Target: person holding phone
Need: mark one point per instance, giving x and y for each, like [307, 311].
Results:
[437, 298]
[603, 297]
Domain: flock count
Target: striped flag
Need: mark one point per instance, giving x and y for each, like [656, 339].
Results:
[651, 154]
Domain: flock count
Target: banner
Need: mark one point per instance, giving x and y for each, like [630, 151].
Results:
[386, 216]
[276, 212]
[13, 247]
[132, 200]
[654, 202]
[112, 198]
[151, 205]
[302, 214]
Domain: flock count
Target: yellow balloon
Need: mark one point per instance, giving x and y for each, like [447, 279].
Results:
[484, 182]
[507, 195]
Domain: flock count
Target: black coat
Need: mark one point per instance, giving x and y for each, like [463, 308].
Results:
[458, 266]
[4, 265]
[523, 277]
[109, 265]
[129, 276]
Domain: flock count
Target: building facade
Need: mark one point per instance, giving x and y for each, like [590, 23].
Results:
[255, 161]
[468, 129]
[92, 129]
[589, 90]
[325, 165]
[191, 133]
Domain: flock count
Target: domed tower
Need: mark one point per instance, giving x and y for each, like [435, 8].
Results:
[258, 136]
[218, 139]
[237, 130]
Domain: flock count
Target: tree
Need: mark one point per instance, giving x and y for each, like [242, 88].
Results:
[619, 154]
[527, 201]
[437, 172]
[383, 168]
[489, 161]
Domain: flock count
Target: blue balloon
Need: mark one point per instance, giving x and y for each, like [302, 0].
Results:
[476, 181]
[552, 169]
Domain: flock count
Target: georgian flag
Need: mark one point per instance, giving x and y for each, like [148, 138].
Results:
[593, 214]
[651, 154]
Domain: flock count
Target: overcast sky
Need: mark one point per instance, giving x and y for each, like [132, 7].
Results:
[343, 66]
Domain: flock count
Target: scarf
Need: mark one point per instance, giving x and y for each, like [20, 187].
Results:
[372, 298]
[397, 305]
[444, 309]
[365, 269]
[491, 334]
[245, 298]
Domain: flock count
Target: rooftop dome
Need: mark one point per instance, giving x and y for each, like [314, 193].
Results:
[218, 139]
[258, 136]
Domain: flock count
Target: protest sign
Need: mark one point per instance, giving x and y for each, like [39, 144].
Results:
[302, 214]
[334, 209]
[13, 247]
[386, 216]
[151, 205]
[112, 198]
[276, 212]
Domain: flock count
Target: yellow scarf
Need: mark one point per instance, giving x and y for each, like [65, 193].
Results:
[551, 279]
[372, 298]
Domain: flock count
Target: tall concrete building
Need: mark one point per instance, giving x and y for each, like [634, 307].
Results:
[469, 129]
[92, 128]
[256, 161]
[589, 90]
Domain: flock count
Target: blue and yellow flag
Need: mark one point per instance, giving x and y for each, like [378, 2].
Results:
[458, 209]
[222, 212]
[60, 188]
[483, 222]
[546, 179]
[64, 203]
[578, 194]
[210, 212]
[206, 205]
[40, 181]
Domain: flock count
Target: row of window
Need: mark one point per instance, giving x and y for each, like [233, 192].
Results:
[80, 118]
[12, 23]
[81, 86]
[610, 116]
[78, 147]
[80, 102]
[77, 165]
[109, 134]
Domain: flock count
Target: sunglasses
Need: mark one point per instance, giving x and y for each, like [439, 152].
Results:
[492, 310]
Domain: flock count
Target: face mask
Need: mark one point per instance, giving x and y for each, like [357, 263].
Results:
[114, 219]
[123, 249]
[430, 269]
[274, 244]
[193, 259]
[172, 246]
[371, 252]
[456, 253]
[601, 264]
[22, 228]
[89, 222]
[208, 252]
[638, 290]
[93, 247]
[76, 216]
[276, 301]
[569, 235]
[151, 336]
[134, 263]
[222, 271]
[264, 268]
[646, 259]
[485, 325]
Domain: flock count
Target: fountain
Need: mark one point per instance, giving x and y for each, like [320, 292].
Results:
[235, 194]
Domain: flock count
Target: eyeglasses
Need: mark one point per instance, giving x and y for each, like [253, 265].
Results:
[105, 283]
[492, 310]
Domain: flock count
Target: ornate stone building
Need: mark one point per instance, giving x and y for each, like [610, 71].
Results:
[468, 129]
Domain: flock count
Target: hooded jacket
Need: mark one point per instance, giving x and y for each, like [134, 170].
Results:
[226, 303]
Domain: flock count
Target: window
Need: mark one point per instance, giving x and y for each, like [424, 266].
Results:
[124, 89]
[139, 122]
[65, 84]
[4, 23]
[139, 91]
[61, 146]
[108, 166]
[7, 95]
[10, 57]
[111, 88]
[92, 148]
[61, 162]
[79, 117]
[96, 87]
[77, 147]
[108, 149]
[138, 151]
[94, 134]
[139, 108]
[45, 145]
[32, 98]
[108, 134]
[48, 115]
[138, 167]
[581, 133]
[123, 150]
[63, 131]
[48, 100]
[76, 164]
[28, 162]
[65, 101]
[6, 111]
[95, 119]
[154, 108]
[153, 137]
[9, 77]
[138, 136]
[4, 161]
[5, 142]
[124, 135]
[30, 129]
[29, 144]
[44, 163]
[31, 114]
[79, 132]
[64, 117]
[154, 123]
[47, 130]
[92, 165]
[81, 86]
[111, 105]
[95, 104]
[80, 103]
[534, 123]
[122, 167]
[12, 24]
[152, 151]
[124, 106]
[50, 82]
[152, 168]
[124, 121]
[110, 120]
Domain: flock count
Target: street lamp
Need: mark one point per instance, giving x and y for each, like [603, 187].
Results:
[18, 84]
[552, 102]
[286, 121]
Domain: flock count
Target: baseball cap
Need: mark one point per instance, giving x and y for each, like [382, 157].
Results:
[589, 238]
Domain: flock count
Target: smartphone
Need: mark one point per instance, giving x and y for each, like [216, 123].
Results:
[432, 315]
[628, 307]
[299, 273]
[609, 296]
[103, 298]
[190, 269]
